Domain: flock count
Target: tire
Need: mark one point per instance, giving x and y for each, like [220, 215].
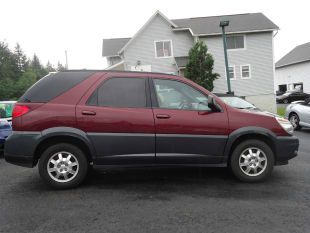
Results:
[71, 168]
[285, 101]
[238, 161]
[294, 119]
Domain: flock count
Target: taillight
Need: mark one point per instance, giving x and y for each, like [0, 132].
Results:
[20, 110]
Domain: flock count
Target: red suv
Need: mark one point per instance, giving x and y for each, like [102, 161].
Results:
[69, 121]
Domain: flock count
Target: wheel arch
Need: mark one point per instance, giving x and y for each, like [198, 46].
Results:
[64, 135]
[247, 133]
[293, 112]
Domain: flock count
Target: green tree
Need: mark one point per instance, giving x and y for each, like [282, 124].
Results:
[200, 66]
[60, 67]
[49, 67]
[17, 72]
[26, 80]
[8, 66]
[20, 59]
[37, 67]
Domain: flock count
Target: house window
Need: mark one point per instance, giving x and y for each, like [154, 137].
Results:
[232, 73]
[163, 48]
[235, 42]
[245, 71]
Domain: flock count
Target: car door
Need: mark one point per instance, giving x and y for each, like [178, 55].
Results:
[187, 131]
[118, 119]
[304, 113]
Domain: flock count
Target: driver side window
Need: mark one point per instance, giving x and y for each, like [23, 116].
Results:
[177, 95]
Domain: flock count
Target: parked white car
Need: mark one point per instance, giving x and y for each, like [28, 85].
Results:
[298, 114]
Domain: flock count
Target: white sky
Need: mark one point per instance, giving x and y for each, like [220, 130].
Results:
[49, 27]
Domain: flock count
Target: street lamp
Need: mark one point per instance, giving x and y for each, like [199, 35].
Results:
[224, 24]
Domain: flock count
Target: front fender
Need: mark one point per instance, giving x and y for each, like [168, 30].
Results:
[250, 130]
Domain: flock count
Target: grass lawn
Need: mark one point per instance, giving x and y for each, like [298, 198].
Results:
[281, 111]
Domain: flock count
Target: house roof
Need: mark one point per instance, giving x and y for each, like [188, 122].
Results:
[200, 26]
[111, 47]
[299, 54]
[237, 24]
[181, 61]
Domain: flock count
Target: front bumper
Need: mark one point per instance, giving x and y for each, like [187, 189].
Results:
[20, 148]
[286, 148]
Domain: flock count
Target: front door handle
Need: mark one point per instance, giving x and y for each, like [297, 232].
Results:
[162, 116]
[88, 113]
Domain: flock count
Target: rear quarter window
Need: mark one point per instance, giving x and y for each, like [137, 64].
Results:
[53, 85]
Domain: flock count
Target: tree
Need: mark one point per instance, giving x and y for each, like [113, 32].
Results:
[60, 67]
[37, 67]
[18, 73]
[200, 66]
[8, 66]
[49, 67]
[20, 58]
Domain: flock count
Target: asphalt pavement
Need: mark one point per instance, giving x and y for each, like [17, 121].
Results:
[160, 200]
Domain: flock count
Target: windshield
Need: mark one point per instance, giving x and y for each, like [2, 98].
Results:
[6, 110]
[237, 102]
[287, 93]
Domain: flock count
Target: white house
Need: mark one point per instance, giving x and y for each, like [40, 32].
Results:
[293, 70]
[162, 45]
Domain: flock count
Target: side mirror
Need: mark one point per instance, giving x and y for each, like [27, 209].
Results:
[212, 104]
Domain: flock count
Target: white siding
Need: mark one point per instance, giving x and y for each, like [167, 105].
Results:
[113, 60]
[294, 74]
[258, 53]
[142, 47]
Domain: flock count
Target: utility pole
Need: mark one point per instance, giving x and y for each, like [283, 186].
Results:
[224, 24]
[66, 59]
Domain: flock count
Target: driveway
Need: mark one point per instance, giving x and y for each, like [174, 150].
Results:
[160, 200]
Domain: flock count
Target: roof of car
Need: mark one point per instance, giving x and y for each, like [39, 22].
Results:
[8, 102]
[119, 71]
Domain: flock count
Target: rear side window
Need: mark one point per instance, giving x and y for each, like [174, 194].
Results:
[120, 92]
[53, 85]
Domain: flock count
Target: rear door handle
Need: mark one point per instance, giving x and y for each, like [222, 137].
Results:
[88, 113]
[162, 116]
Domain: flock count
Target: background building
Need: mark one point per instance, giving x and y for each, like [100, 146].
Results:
[162, 45]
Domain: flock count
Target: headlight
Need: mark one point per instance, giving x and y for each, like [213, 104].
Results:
[285, 124]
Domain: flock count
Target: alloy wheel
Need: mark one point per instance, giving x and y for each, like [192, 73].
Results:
[253, 161]
[63, 167]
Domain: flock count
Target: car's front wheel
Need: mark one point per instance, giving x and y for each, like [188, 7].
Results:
[252, 161]
[63, 166]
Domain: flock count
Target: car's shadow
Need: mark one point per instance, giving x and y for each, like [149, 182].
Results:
[162, 183]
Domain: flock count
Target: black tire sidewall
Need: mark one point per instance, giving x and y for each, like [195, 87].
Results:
[80, 156]
[297, 126]
[234, 160]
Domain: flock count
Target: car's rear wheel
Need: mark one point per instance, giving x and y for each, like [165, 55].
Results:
[63, 166]
[252, 161]
[294, 119]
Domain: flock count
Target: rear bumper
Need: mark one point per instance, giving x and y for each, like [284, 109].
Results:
[286, 148]
[20, 148]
